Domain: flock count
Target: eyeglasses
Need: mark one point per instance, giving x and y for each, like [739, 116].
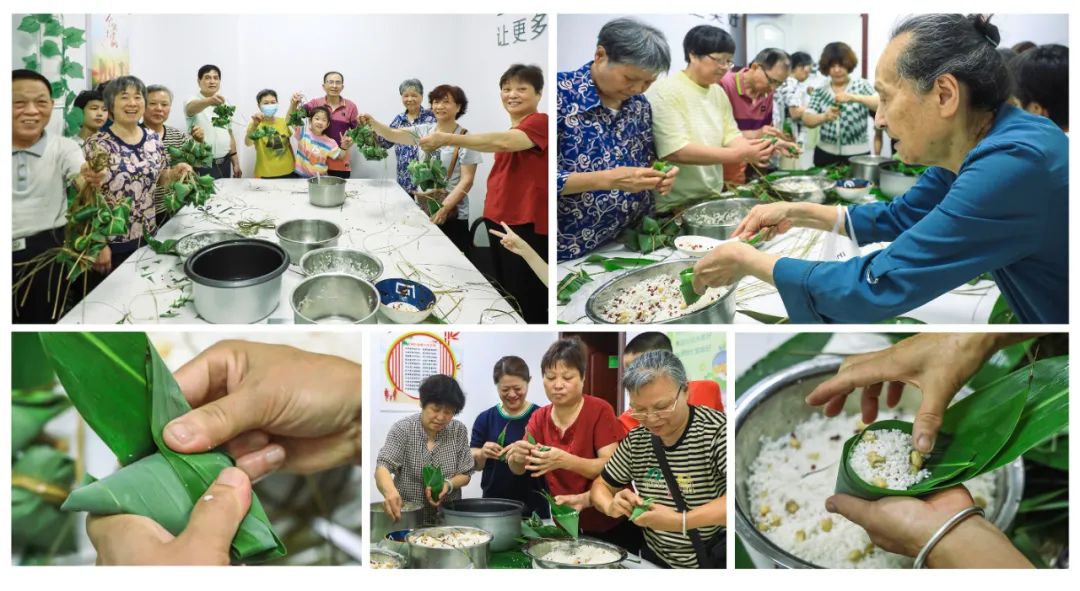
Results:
[727, 63]
[641, 416]
[772, 82]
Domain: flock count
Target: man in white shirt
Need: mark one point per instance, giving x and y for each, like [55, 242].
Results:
[199, 110]
[43, 165]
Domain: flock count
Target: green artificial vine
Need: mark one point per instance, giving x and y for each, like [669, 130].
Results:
[54, 40]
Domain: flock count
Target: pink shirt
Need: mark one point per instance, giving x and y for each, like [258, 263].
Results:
[342, 119]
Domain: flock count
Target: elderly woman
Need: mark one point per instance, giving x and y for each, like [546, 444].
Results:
[506, 421]
[158, 108]
[138, 164]
[575, 435]
[606, 149]
[517, 190]
[684, 525]
[995, 198]
[841, 108]
[429, 437]
[273, 152]
[448, 103]
[412, 98]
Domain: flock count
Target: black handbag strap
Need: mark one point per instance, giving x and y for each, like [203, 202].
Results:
[680, 503]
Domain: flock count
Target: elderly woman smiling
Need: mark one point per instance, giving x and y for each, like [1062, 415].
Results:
[412, 98]
[995, 198]
[138, 163]
[606, 140]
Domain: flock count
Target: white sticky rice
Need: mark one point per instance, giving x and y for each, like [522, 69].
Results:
[794, 474]
[655, 300]
[581, 554]
[717, 218]
[884, 456]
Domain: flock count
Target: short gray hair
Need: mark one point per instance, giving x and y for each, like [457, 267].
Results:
[649, 366]
[117, 86]
[631, 42]
[159, 88]
[412, 83]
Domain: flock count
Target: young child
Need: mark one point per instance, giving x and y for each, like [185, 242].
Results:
[94, 113]
[313, 148]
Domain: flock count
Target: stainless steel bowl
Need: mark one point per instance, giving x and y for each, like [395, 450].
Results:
[187, 245]
[412, 516]
[694, 225]
[787, 189]
[388, 558]
[776, 405]
[326, 191]
[537, 549]
[476, 556]
[237, 281]
[721, 311]
[335, 298]
[867, 167]
[338, 259]
[501, 517]
[894, 184]
[298, 237]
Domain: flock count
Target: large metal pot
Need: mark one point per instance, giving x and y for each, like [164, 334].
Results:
[776, 405]
[326, 191]
[421, 556]
[335, 298]
[695, 225]
[298, 237]
[538, 549]
[501, 517]
[868, 167]
[237, 281]
[381, 524]
[721, 311]
[893, 183]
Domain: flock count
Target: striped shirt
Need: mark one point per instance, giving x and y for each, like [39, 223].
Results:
[173, 138]
[698, 461]
[405, 453]
[313, 152]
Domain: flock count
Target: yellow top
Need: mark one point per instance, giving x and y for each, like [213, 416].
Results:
[686, 113]
[270, 162]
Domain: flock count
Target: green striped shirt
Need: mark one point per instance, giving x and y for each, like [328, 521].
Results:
[699, 462]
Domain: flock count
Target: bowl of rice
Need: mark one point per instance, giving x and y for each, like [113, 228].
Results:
[404, 301]
[579, 553]
[449, 547]
[786, 463]
[652, 295]
[385, 559]
[803, 188]
[717, 218]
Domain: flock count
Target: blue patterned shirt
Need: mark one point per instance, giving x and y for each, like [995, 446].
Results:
[593, 138]
[406, 153]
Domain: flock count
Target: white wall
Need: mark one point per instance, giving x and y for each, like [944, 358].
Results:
[478, 354]
[807, 32]
[374, 52]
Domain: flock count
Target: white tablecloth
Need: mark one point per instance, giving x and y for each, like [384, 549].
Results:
[963, 305]
[378, 216]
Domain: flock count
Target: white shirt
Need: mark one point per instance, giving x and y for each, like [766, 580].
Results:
[40, 175]
[219, 139]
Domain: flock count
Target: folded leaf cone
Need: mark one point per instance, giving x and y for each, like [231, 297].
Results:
[565, 516]
[127, 395]
[433, 479]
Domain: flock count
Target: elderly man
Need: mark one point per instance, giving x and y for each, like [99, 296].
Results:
[199, 110]
[750, 91]
[343, 117]
[693, 121]
[43, 165]
[677, 458]
[605, 138]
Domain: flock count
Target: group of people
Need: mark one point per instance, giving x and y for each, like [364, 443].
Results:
[670, 446]
[127, 119]
[989, 129]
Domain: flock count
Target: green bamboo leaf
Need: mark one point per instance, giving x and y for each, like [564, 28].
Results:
[36, 517]
[30, 411]
[1046, 412]
[433, 479]
[686, 286]
[565, 516]
[30, 368]
[1053, 453]
[29, 24]
[800, 347]
[49, 48]
[641, 509]
[649, 225]
[1000, 364]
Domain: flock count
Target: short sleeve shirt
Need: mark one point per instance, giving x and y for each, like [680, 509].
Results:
[594, 138]
[404, 454]
[40, 176]
[219, 138]
[850, 129]
[274, 153]
[133, 173]
[406, 153]
[686, 113]
[517, 191]
[497, 481]
[595, 427]
[342, 118]
[446, 154]
[698, 462]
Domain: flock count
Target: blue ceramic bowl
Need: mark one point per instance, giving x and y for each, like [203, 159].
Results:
[405, 301]
[853, 189]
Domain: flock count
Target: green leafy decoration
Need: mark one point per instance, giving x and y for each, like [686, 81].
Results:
[794, 350]
[73, 38]
[71, 69]
[29, 24]
[30, 62]
[618, 263]
[49, 48]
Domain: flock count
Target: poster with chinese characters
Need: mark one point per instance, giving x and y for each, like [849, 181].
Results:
[413, 357]
[110, 56]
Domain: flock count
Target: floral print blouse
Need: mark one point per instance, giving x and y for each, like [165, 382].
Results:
[133, 173]
[404, 154]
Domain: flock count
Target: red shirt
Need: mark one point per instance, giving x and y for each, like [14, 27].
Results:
[517, 189]
[699, 393]
[595, 427]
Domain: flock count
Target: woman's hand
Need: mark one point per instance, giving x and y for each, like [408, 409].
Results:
[103, 264]
[346, 143]
[542, 462]
[180, 170]
[579, 502]
[491, 450]
[635, 179]
[519, 451]
[723, 265]
[439, 217]
[434, 141]
[442, 495]
[623, 503]
[660, 518]
[775, 216]
[392, 504]
[757, 151]
[92, 177]
[843, 97]
[831, 114]
[510, 240]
